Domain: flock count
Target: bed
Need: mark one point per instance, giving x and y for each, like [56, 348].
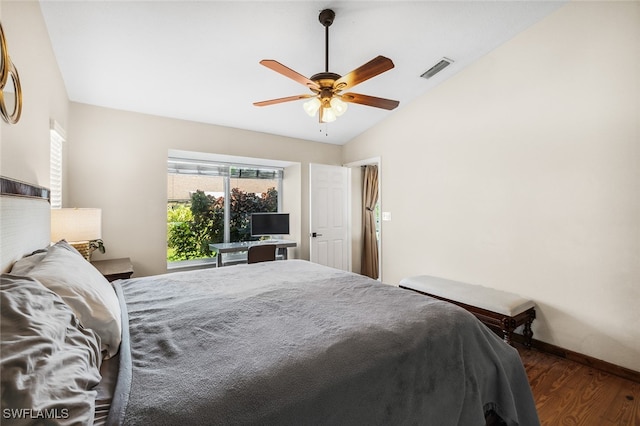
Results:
[272, 343]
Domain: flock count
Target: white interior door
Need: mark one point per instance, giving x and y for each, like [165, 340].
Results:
[329, 221]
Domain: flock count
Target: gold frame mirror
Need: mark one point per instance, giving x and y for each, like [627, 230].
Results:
[11, 112]
[10, 89]
[4, 59]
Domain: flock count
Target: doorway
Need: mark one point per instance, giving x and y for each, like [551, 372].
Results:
[357, 183]
[329, 228]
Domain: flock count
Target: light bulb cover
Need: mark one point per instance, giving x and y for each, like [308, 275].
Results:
[328, 115]
[311, 106]
[338, 106]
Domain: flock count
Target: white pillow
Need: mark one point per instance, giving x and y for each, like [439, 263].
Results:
[27, 263]
[24, 265]
[86, 291]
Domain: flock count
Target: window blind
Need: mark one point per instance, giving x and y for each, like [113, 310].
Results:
[238, 171]
[55, 164]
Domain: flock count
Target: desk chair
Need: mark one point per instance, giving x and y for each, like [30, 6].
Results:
[261, 253]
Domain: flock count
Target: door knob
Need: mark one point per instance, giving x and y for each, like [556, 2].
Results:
[315, 234]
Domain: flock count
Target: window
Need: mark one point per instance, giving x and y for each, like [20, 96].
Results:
[211, 202]
[55, 164]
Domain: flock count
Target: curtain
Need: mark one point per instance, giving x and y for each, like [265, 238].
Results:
[369, 265]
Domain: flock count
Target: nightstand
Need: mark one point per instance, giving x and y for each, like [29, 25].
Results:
[114, 269]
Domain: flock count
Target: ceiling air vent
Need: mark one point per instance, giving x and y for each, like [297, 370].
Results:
[445, 62]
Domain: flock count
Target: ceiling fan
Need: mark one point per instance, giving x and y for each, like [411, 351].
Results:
[326, 87]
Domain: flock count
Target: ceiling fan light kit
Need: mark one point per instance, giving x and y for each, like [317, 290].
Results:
[327, 99]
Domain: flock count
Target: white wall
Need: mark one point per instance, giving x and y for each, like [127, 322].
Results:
[523, 173]
[118, 162]
[24, 146]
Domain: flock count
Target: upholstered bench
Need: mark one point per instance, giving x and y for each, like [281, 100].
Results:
[495, 308]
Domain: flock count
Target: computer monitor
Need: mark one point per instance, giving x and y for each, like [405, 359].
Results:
[263, 224]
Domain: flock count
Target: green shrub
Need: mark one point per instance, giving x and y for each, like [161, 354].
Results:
[191, 227]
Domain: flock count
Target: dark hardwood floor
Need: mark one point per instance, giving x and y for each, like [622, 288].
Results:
[569, 393]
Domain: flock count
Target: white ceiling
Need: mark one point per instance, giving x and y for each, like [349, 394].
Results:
[199, 61]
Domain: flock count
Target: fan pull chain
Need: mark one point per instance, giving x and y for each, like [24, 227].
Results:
[326, 129]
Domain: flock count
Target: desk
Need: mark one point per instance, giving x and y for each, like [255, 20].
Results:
[281, 247]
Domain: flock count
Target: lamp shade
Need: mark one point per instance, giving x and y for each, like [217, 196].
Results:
[76, 225]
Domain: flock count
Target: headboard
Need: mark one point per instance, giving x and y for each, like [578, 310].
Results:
[25, 220]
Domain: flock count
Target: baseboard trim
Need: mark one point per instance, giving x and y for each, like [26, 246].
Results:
[589, 361]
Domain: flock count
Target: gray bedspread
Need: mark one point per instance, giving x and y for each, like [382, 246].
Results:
[294, 343]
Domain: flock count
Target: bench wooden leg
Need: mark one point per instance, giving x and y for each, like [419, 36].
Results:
[507, 329]
[527, 333]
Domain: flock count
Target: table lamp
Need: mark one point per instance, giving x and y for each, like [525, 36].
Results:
[78, 227]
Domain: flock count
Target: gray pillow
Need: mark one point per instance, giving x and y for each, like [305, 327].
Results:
[86, 291]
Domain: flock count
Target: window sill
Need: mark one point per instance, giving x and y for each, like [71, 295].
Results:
[192, 264]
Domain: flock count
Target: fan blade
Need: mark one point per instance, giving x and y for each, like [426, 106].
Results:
[280, 100]
[372, 68]
[357, 98]
[288, 72]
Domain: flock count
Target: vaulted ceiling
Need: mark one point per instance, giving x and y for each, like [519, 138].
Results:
[199, 61]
